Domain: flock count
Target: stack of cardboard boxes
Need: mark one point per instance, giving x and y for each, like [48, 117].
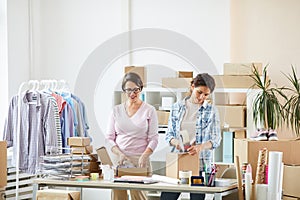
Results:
[248, 151]
[82, 145]
[231, 101]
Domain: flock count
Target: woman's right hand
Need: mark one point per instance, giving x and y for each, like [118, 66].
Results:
[122, 158]
[174, 142]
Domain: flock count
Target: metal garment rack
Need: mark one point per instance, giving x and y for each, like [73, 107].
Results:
[33, 85]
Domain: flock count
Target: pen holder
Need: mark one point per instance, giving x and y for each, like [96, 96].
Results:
[210, 179]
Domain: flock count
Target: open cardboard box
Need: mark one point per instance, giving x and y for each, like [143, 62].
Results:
[51, 194]
[120, 170]
[176, 162]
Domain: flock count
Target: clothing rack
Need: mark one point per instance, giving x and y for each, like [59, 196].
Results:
[32, 85]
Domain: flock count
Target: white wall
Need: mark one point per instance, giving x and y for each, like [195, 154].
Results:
[70, 38]
[3, 63]
[268, 32]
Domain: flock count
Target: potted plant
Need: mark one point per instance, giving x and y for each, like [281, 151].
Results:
[292, 105]
[267, 109]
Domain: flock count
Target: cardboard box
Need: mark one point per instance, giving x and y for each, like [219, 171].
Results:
[247, 150]
[176, 82]
[239, 133]
[235, 116]
[82, 150]
[176, 162]
[120, 171]
[53, 194]
[230, 98]
[241, 68]
[228, 81]
[79, 141]
[134, 171]
[163, 117]
[290, 183]
[141, 71]
[185, 74]
[3, 164]
[290, 198]
[104, 156]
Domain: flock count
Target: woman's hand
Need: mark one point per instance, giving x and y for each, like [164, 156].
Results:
[143, 160]
[122, 158]
[174, 142]
[195, 149]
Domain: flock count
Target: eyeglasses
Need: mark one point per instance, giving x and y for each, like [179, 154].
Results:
[134, 90]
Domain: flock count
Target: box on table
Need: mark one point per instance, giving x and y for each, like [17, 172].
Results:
[241, 68]
[52, 194]
[104, 156]
[131, 171]
[176, 162]
[234, 116]
[163, 117]
[185, 74]
[248, 150]
[3, 164]
[82, 150]
[176, 82]
[120, 171]
[290, 183]
[79, 141]
[141, 71]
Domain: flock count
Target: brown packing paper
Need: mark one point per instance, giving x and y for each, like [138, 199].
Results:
[261, 165]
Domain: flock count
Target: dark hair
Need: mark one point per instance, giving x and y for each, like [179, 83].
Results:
[204, 79]
[133, 77]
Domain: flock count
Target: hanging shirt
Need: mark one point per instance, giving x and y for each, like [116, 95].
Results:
[37, 131]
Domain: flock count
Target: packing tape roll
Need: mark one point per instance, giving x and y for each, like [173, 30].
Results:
[185, 174]
[185, 177]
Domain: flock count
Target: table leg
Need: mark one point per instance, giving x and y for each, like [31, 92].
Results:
[35, 189]
[218, 196]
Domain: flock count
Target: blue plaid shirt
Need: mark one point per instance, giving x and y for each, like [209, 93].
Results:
[207, 128]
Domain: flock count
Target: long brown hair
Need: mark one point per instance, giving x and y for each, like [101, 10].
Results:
[203, 79]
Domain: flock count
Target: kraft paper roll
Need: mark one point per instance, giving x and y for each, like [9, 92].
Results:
[274, 175]
[261, 165]
[261, 191]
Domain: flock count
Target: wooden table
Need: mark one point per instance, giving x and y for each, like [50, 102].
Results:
[218, 192]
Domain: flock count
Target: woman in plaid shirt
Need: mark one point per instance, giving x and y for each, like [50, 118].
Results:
[197, 117]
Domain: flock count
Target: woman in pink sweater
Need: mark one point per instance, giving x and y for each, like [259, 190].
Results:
[132, 131]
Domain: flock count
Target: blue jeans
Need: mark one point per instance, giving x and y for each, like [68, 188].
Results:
[175, 195]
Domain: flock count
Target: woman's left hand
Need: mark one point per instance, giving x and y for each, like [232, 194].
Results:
[194, 149]
[143, 160]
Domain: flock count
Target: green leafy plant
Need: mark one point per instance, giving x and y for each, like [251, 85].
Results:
[267, 109]
[292, 105]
